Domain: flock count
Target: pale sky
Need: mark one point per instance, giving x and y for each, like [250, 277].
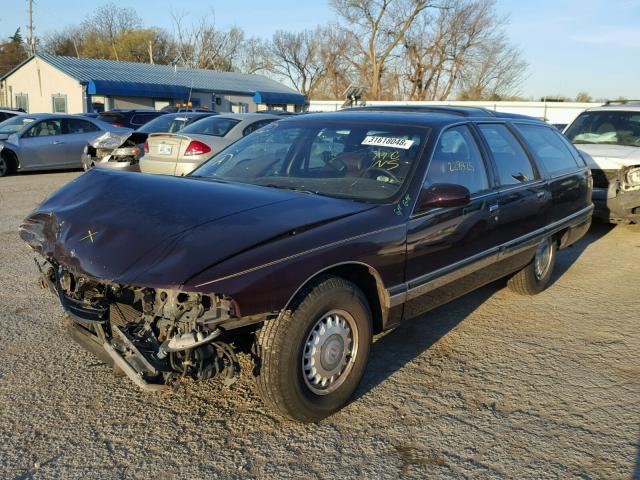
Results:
[571, 45]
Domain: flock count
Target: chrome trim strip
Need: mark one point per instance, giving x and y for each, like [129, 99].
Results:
[431, 281]
[300, 254]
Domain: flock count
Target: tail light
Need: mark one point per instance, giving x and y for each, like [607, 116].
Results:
[117, 124]
[146, 147]
[196, 148]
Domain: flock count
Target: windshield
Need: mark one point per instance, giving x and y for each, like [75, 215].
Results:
[216, 126]
[609, 127]
[166, 124]
[363, 162]
[15, 124]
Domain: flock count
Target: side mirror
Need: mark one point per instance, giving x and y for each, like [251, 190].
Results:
[443, 195]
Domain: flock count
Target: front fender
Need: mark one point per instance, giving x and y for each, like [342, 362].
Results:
[264, 279]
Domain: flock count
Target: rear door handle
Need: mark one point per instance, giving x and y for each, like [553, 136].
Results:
[541, 194]
[57, 142]
[493, 208]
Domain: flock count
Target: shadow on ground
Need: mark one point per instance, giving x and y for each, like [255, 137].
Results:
[394, 350]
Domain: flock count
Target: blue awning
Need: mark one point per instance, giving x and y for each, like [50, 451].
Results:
[137, 89]
[274, 98]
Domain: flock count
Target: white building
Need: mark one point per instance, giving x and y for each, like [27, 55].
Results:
[51, 84]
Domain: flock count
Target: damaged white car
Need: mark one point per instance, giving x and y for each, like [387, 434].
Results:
[123, 151]
[608, 138]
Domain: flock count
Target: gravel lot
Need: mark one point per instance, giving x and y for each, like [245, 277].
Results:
[493, 385]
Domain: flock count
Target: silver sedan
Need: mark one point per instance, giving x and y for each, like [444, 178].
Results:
[180, 153]
[44, 141]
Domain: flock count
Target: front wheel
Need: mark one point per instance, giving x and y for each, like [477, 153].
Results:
[4, 166]
[311, 359]
[535, 277]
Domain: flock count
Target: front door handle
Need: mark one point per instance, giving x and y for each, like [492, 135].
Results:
[541, 194]
[493, 208]
[57, 142]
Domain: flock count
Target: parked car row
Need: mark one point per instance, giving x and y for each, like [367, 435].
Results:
[307, 236]
[50, 141]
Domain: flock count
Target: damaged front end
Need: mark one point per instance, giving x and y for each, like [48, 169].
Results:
[616, 194]
[121, 151]
[154, 336]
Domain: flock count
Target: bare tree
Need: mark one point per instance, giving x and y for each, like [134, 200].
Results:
[297, 56]
[107, 26]
[378, 27]
[202, 45]
[462, 49]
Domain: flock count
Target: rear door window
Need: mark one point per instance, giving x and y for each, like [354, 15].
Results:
[548, 148]
[457, 159]
[76, 125]
[512, 162]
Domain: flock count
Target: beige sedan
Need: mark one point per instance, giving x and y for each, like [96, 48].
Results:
[180, 153]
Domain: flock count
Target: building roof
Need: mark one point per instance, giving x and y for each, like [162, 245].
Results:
[145, 78]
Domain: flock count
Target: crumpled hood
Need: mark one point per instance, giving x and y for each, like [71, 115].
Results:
[158, 231]
[609, 157]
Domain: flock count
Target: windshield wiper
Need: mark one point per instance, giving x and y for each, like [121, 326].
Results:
[291, 187]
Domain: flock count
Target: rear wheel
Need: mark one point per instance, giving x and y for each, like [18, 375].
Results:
[535, 277]
[311, 359]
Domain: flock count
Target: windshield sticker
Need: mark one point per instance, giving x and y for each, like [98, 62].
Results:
[395, 142]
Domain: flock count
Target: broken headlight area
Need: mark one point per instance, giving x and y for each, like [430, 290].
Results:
[155, 336]
[632, 178]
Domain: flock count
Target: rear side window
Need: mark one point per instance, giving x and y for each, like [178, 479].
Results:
[255, 126]
[512, 162]
[457, 159]
[548, 148]
[111, 117]
[142, 118]
[216, 126]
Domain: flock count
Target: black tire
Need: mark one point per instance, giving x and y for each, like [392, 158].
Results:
[281, 345]
[531, 280]
[5, 166]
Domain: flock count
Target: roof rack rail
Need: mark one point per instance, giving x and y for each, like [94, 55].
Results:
[451, 110]
[621, 102]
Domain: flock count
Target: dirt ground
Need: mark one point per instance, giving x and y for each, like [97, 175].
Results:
[493, 385]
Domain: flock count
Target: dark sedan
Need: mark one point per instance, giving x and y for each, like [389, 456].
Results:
[311, 235]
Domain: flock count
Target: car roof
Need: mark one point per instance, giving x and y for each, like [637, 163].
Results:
[623, 107]
[132, 110]
[247, 116]
[409, 116]
[462, 111]
[39, 116]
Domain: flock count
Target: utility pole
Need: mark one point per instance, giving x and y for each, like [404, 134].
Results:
[150, 52]
[32, 40]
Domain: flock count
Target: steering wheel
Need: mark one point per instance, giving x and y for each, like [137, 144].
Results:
[331, 161]
[382, 172]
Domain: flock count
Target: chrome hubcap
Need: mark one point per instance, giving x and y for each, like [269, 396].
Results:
[329, 352]
[542, 260]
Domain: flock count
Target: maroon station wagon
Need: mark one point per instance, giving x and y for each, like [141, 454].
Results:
[307, 237]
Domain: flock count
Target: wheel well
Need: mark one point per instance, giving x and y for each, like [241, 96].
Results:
[12, 159]
[365, 279]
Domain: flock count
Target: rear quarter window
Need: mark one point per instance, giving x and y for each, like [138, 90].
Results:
[512, 162]
[548, 148]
